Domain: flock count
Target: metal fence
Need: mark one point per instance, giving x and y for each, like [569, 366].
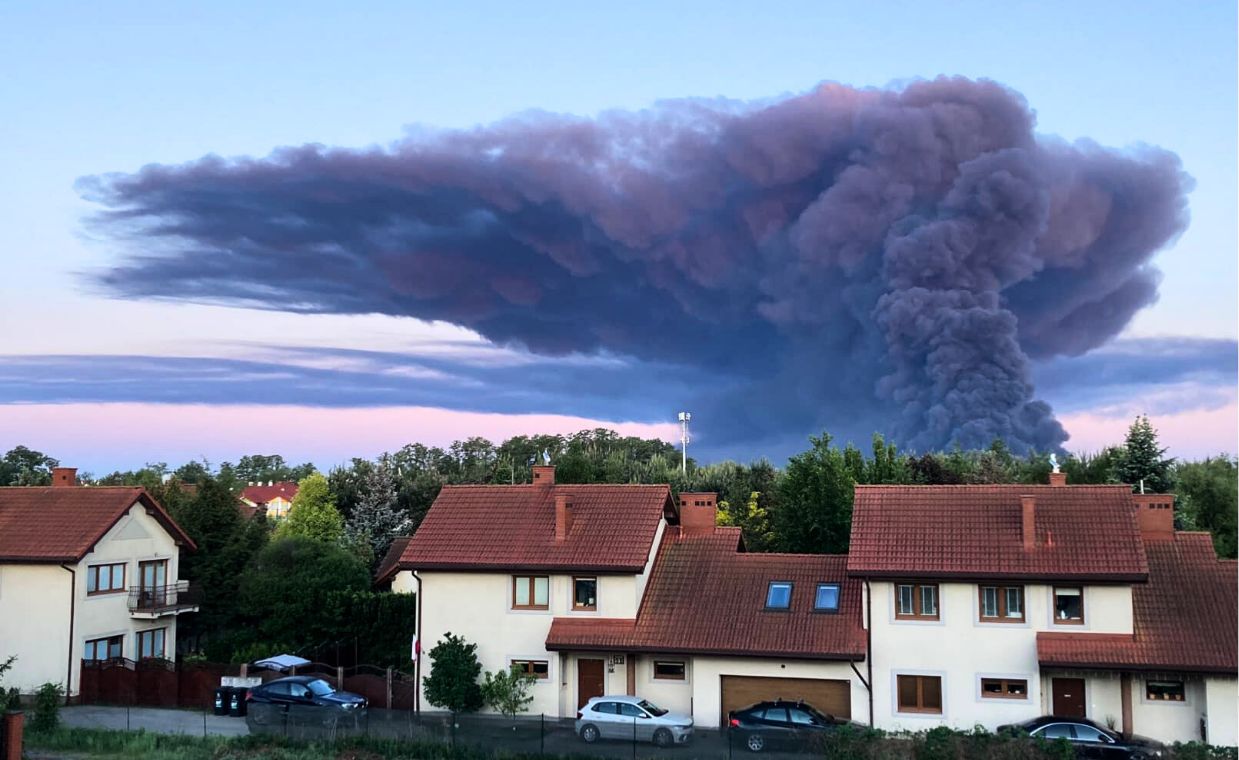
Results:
[492, 734]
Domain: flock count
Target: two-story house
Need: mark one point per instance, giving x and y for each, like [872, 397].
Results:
[86, 573]
[619, 589]
[993, 604]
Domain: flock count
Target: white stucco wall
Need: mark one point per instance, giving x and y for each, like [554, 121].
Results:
[34, 624]
[961, 650]
[1169, 721]
[35, 604]
[478, 606]
[1222, 706]
[708, 683]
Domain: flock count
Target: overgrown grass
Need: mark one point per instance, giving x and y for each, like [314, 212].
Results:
[100, 744]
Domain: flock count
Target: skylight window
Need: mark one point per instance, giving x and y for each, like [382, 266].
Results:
[779, 596]
[827, 597]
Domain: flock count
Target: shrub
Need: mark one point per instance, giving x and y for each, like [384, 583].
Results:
[507, 692]
[47, 707]
[453, 680]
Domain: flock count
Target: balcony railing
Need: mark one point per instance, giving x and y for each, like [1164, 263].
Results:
[153, 601]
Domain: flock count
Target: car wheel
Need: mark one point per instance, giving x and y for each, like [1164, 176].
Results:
[663, 738]
[589, 733]
[755, 742]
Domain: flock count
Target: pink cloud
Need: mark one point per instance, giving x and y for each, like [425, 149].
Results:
[104, 437]
[1190, 434]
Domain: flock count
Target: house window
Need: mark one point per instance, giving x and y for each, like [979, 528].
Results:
[530, 592]
[539, 669]
[105, 579]
[827, 597]
[916, 601]
[670, 670]
[110, 648]
[151, 644]
[1165, 691]
[584, 594]
[1002, 604]
[1069, 605]
[779, 595]
[1004, 688]
[921, 694]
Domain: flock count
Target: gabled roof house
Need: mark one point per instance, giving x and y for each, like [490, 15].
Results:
[86, 573]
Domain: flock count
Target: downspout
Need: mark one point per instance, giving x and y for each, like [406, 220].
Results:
[869, 645]
[72, 617]
[417, 663]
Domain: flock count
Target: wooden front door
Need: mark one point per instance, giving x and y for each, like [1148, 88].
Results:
[1068, 697]
[589, 680]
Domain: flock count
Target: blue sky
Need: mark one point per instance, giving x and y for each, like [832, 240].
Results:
[97, 88]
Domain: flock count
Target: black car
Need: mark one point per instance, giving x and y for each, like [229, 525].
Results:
[298, 695]
[1089, 739]
[781, 724]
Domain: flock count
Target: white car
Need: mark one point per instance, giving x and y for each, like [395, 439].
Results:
[633, 719]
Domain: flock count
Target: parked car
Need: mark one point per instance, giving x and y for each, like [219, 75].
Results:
[1089, 739]
[625, 717]
[307, 696]
[782, 724]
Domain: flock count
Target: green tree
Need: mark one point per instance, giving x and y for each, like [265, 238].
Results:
[1209, 494]
[313, 514]
[815, 499]
[454, 671]
[226, 543]
[751, 518]
[376, 519]
[21, 466]
[1142, 460]
[507, 691]
[286, 594]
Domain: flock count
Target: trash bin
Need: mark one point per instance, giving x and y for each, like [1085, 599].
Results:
[236, 705]
[223, 696]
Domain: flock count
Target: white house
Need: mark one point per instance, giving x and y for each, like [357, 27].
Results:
[618, 589]
[993, 604]
[86, 573]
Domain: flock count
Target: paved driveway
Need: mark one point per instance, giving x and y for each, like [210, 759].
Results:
[154, 719]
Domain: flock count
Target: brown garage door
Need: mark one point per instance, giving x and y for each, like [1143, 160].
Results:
[828, 696]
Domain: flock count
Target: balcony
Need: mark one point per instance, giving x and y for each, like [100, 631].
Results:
[150, 602]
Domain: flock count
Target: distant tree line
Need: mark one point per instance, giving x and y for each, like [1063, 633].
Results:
[306, 581]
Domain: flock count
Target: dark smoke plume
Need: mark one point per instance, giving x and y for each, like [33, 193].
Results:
[885, 259]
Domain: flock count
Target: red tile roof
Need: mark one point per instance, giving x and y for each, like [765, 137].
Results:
[1185, 617]
[390, 563]
[706, 597]
[513, 528]
[63, 524]
[260, 494]
[1082, 533]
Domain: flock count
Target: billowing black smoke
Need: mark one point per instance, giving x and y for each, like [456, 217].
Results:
[885, 259]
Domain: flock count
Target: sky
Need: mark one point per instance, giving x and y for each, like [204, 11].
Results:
[105, 378]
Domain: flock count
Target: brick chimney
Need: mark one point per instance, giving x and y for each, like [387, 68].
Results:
[1058, 478]
[563, 515]
[698, 513]
[64, 477]
[1028, 512]
[544, 474]
[1155, 515]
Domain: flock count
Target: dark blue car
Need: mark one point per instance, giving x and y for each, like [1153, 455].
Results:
[303, 695]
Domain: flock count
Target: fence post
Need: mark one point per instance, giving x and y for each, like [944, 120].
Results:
[12, 733]
[245, 669]
[542, 734]
[634, 739]
[389, 688]
[340, 678]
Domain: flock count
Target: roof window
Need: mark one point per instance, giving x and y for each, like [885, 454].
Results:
[779, 595]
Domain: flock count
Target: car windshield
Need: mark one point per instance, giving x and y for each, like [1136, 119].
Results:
[651, 708]
[320, 687]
